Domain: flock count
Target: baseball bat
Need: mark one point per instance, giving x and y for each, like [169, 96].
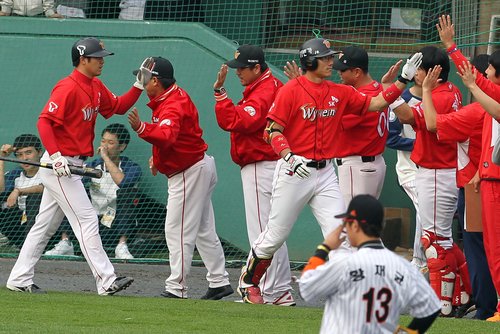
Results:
[83, 171]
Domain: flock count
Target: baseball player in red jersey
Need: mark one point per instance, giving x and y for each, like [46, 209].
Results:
[360, 139]
[246, 122]
[465, 126]
[302, 126]
[66, 126]
[179, 153]
[366, 291]
[437, 191]
[489, 173]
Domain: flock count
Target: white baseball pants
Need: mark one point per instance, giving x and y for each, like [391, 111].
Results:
[419, 258]
[257, 180]
[358, 178]
[190, 222]
[64, 196]
[290, 194]
[437, 194]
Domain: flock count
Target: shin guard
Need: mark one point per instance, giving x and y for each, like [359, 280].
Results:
[256, 268]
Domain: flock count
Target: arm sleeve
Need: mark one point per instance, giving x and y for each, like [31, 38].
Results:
[132, 173]
[457, 126]
[394, 139]
[245, 118]
[112, 104]
[323, 281]
[422, 324]
[164, 133]
[486, 85]
[47, 136]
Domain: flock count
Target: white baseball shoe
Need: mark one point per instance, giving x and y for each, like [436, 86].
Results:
[63, 247]
[122, 252]
[286, 299]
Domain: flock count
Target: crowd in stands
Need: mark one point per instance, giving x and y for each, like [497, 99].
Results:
[104, 9]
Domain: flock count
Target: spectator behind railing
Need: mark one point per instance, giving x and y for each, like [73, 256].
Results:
[73, 8]
[29, 8]
[132, 10]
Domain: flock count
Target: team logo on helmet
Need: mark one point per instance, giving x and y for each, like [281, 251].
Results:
[101, 44]
[236, 54]
[327, 43]
[81, 49]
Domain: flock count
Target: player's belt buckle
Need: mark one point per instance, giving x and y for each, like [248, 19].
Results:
[318, 164]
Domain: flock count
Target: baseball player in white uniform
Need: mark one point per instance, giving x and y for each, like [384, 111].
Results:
[366, 291]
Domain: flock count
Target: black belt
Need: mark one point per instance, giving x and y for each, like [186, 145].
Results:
[363, 159]
[318, 164]
[81, 157]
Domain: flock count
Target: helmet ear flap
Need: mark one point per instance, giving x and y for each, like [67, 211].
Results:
[312, 63]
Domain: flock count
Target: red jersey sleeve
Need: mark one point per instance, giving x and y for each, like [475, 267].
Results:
[247, 117]
[60, 102]
[112, 104]
[358, 102]
[164, 133]
[486, 85]
[282, 107]
[457, 126]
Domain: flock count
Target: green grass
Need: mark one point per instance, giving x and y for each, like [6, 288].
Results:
[58, 312]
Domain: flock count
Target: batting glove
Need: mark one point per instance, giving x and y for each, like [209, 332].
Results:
[411, 66]
[60, 165]
[298, 164]
[144, 74]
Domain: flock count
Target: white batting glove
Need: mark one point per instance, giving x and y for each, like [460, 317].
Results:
[60, 165]
[144, 75]
[411, 66]
[298, 165]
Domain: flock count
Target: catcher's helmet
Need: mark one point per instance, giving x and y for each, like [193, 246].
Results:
[313, 49]
[88, 47]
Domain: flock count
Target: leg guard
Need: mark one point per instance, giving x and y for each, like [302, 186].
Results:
[442, 268]
[256, 269]
[463, 279]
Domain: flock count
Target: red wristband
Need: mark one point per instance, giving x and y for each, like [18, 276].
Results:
[279, 143]
[392, 93]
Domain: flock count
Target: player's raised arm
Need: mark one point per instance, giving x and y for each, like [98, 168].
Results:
[391, 94]
[430, 82]
[468, 74]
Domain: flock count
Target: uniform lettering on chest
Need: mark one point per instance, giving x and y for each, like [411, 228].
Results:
[310, 112]
[89, 111]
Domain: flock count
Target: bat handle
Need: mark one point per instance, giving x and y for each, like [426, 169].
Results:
[85, 171]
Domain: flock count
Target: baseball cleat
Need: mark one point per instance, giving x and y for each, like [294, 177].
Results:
[63, 247]
[286, 299]
[218, 293]
[33, 288]
[122, 252]
[120, 283]
[167, 294]
[494, 318]
[251, 295]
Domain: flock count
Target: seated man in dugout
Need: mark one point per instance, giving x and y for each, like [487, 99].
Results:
[20, 189]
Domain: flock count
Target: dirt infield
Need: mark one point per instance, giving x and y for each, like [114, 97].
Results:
[149, 278]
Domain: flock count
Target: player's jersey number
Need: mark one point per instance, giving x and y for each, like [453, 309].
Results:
[382, 298]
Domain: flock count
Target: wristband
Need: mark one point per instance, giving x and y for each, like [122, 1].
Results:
[404, 81]
[221, 90]
[392, 93]
[279, 143]
[399, 101]
[322, 251]
[141, 128]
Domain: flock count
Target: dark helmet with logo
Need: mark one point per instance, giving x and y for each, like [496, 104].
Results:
[88, 47]
[313, 49]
